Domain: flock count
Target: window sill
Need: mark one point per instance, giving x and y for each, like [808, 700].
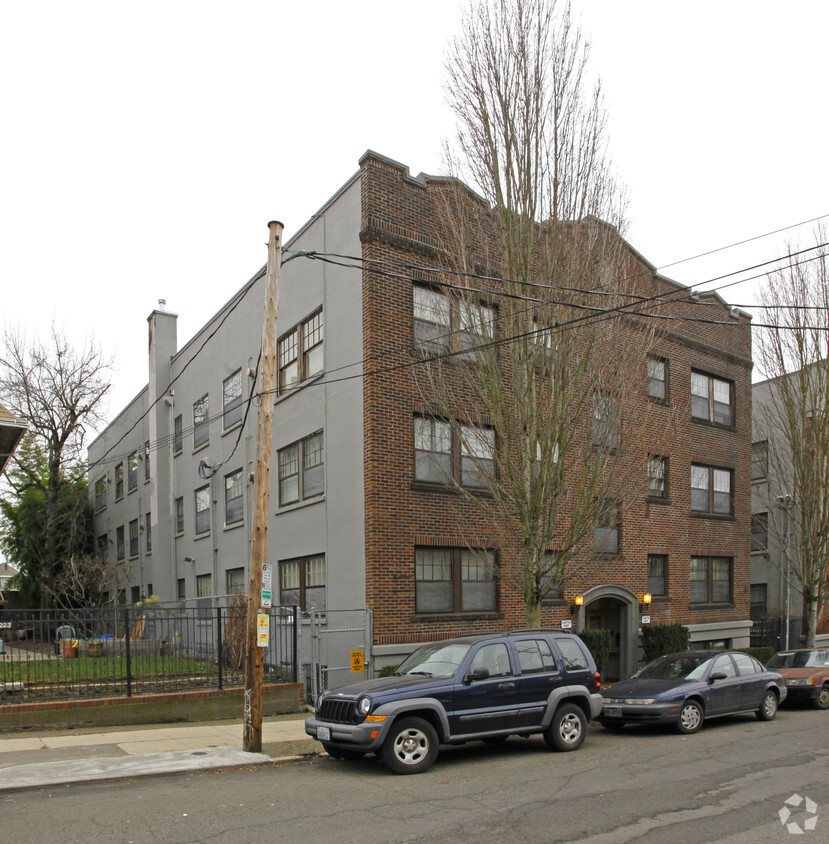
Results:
[707, 423]
[234, 427]
[131, 491]
[298, 505]
[715, 517]
[233, 526]
[707, 605]
[178, 453]
[292, 391]
[205, 535]
[429, 486]
[666, 502]
[437, 618]
[202, 447]
[660, 402]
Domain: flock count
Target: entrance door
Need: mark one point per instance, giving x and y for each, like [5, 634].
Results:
[607, 614]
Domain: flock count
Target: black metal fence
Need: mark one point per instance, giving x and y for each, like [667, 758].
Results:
[771, 633]
[53, 654]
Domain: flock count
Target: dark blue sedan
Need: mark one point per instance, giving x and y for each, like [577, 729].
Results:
[686, 688]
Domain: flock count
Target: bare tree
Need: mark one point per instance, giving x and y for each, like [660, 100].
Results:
[59, 392]
[534, 272]
[794, 352]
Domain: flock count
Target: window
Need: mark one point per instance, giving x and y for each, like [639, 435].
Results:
[477, 323]
[657, 477]
[179, 516]
[657, 574]
[300, 353]
[235, 581]
[232, 400]
[535, 656]
[202, 497]
[550, 577]
[100, 493]
[178, 435]
[711, 399]
[234, 498]
[449, 580]
[204, 586]
[606, 529]
[710, 580]
[711, 490]
[148, 532]
[432, 324]
[201, 422]
[477, 456]
[467, 457]
[147, 460]
[574, 659]
[759, 531]
[181, 590]
[494, 658]
[134, 538]
[658, 379]
[302, 583]
[135, 594]
[119, 542]
[301, 470]
[119, 481]
[724, 665]
[433, 450]
[758, 599]
[759, 460]
[103, 546]
[606, 421]
[132, 472]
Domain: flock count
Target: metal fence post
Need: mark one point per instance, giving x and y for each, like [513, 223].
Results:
[296, 644]
[127, 650]
[219, 642]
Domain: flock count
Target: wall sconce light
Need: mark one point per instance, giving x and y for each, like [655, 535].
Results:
[578, 601]
[646, 602]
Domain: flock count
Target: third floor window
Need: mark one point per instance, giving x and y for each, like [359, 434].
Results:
[712, 399]
[300, 353]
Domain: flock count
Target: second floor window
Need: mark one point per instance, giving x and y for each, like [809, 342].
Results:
[201, 422]
[657, 574]
[119, 481]
[148, 532]
[134, 538]
[710, 580]
[441, 324]
[466, 456]
[234, 498]
[711, 490]
[119, 542]
[178, 435]
[759, 531]
[179, 515]
[606, 529]
[657, 477]
[432, 324]
[711, 399]
[232, 400]
[132, 471]
[300, 353]
[301, 470]
[100, 493]
[202, 501]
[759, 460]
[606, 421]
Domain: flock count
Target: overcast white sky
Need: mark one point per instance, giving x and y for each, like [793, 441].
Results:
[144, 147]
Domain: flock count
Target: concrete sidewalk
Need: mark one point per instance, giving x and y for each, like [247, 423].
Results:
[39, 758]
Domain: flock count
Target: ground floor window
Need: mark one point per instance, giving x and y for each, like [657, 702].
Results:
[204, 586]
[451, 580]
[302, 583]
[235, 581]
[657, 574]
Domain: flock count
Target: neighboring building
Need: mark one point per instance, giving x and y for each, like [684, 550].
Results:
[354, 522]
[7, 572]
[12, 431]
[774, 595]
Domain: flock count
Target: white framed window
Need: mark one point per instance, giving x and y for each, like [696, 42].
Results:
[300, 353]
[712, 399]
[201, 421]
[202, 508]
[301, 470]
[234, 498]
[232, 400]
[711, 490]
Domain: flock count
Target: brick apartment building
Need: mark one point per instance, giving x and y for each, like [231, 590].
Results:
[356, 521]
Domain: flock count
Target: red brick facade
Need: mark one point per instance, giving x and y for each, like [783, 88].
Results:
[399, 225]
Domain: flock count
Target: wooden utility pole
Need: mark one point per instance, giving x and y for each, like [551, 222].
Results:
[252, 741]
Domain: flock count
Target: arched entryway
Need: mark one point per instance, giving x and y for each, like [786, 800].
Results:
[613, 608]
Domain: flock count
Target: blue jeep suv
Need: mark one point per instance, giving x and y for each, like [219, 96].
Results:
[483, 687]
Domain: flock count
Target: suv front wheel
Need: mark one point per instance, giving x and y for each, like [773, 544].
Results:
[411, 747]
[567, 729]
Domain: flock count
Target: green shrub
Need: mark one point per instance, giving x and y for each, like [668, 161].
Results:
[598, 643]
[761, 654]
[660, 639]
[387, 671]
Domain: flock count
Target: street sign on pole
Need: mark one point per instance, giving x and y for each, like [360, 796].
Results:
[267, 592]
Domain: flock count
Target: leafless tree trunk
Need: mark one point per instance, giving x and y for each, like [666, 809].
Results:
[795, 353]
[59, 392]
[533, 267]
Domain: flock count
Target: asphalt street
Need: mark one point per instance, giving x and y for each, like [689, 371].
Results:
[726, 783]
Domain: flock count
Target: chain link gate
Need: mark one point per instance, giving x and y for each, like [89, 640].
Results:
[337, 644]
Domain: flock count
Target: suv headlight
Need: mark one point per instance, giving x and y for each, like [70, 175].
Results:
[364, 706]
[320, 700]
[639, 701]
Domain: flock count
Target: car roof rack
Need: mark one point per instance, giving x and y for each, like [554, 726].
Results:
[539, 630]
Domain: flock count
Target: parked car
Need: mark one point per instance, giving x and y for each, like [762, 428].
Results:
[686, 688]
[483, 687]
[806, 674]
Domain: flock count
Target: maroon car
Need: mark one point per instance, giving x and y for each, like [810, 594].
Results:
[806, 673]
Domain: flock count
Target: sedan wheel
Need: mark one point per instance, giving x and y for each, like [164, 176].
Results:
[567, 729]
[690, 717]
[411, 746]
[822, 699]
[768, 708]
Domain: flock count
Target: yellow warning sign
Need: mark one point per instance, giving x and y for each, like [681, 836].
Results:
[358, 662]
[262, 629]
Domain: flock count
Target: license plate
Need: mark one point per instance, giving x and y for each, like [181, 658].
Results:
[612, 711]
[324, 733]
